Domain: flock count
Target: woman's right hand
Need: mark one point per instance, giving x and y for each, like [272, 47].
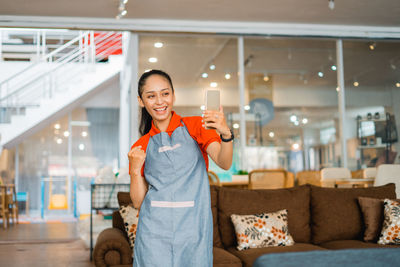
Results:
[136, 156]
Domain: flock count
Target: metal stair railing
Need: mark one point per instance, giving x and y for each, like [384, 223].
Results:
[55, 71]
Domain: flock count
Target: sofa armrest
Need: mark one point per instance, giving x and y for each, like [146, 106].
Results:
[112, 248]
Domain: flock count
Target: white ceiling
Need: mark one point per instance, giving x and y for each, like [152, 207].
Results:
[346, 12]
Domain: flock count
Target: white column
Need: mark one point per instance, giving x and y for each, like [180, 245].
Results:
[16, 181]
[128, 109]
[341, 101]
[70, 173]
[241, 74]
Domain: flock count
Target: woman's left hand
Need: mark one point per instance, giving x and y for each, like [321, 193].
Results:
[216, 120]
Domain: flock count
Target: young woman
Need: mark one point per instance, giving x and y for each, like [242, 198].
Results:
[169, 182]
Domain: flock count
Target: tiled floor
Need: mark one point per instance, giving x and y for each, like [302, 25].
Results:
[43, 244]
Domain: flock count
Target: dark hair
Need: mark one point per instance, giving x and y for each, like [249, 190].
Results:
[145, 118]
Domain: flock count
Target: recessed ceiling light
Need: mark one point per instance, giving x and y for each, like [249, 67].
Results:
[293, 118]
[266, 78]
[57, 126]
[304, 120]
[213, 84]
[204, 75]
[397, 84]
[247, 107]
[66, 133]
[227, 76]
[203, 107]
[271, 134]
[158, 45]
[153, 60]
[333, 67]
[59, 141]
[356, 84]
[236, 126]
[84, 134]
[212, 67]
[295, 146]
[81, 146]
[124, 12]
[296, 123]
[320, 74]
[372, 46]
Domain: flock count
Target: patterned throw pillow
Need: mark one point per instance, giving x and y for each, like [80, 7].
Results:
[262, 230]
[130, 215]
[391, 225]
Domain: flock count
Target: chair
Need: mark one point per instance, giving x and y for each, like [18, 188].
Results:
[12, 203]
[369, 172]
[290, 179]
[309, 177]
[268, 179]
[213, 178]
[4, 211]
[388, 173]
[329, 175]
[358, 174]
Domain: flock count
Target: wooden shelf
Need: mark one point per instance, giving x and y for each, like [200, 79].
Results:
[372, 147]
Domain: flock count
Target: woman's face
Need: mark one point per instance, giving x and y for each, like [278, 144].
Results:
[157, 97]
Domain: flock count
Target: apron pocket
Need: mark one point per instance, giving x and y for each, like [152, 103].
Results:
[172, 204]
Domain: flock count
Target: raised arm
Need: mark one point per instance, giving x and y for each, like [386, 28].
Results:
[139, 186]
[222, 153]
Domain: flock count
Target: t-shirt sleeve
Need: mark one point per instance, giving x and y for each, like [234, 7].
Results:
[204, 137]
[143, 141]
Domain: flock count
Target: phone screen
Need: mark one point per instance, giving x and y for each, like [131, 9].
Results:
[212, 99]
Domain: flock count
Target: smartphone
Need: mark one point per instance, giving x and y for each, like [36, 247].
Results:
[212, 100]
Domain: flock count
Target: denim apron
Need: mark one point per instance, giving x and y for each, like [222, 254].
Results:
[175, 227]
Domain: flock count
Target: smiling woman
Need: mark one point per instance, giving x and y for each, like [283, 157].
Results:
[169, 181]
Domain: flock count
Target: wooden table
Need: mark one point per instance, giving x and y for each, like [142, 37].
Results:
[6, 197]
[355, 182]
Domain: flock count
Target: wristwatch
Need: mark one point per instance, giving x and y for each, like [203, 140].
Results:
[229, 139]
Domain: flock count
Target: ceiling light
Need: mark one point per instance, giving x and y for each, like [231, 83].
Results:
[203, 107]
[331, 4]
[158, 45]
[236, 126]
[337, 89]
[66, 133]
[213, 84]
[333, 67]
[296, 123]
[84, 134]
[227, 76]
[204, 75]
[247, 107]
[320, 74]
[81, 146]
[59, 141]
[271, 134]
[153, 60]
[304, 120]
[212, 67]
[295, 146]
[356, 84]
[372, 46]
[397, 84]
[125, 2]
[293, 118]
[266, 78]
[57, 126]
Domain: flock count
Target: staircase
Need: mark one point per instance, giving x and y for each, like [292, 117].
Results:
[63, 79]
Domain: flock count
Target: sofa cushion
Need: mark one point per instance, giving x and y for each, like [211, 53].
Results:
[222, 258]
[118, 222]
[262, 230]
[130, 215]
[124, 199]
[250, 255]
[335, 213]
[372, 211]
[214, 200]
[241, 201]
[348, 244]
[391, 225]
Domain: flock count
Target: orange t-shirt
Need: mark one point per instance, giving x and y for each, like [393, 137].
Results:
[202, 136]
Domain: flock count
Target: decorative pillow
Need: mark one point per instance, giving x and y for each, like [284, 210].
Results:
[391, 225]
[262, 230]
[130, 215]
[372, 210]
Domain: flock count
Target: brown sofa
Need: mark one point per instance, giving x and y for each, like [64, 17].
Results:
[318, 219]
